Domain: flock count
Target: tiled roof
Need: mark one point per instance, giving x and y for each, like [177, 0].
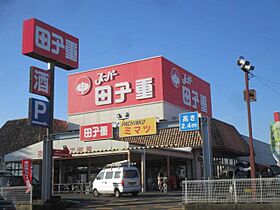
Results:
[16, 134]
[226, 140]
[168, 136]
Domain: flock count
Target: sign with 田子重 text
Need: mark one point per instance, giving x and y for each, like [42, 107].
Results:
[139, 127]
[152, 80]
[96, 132]
[48, 44]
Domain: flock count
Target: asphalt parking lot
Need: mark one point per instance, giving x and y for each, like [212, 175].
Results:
[149, 200]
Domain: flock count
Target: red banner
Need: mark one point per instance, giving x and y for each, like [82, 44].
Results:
[65, 152]
[27, 174]
[46, 43]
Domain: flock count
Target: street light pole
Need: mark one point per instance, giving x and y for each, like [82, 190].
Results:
[251, 147]
[246, 67]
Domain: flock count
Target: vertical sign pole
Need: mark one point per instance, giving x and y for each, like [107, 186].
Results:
[206, 148]
[48, 145]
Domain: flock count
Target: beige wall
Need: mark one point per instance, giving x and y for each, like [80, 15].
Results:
[171, 112]
[161, 110]
[135, 112]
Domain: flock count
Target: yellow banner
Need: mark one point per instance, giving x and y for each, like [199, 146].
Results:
[140, 127]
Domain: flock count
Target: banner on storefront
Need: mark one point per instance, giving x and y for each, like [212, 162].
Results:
[27, 174]
[96, 132]
[139, 127]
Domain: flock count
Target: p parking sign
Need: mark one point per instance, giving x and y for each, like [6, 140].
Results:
[188, 121]
[39, 112]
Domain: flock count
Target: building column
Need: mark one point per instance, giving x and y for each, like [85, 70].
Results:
[2, 162]
[143, 170]
[196, 165]
[189, 173]
[89, 172]
[61, 172]
[128, 156]
[168, 166]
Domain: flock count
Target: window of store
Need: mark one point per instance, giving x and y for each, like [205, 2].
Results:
[15, 168]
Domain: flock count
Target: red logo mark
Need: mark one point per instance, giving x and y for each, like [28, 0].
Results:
[83, 85]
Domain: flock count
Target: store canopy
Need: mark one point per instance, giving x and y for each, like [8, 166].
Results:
[227, 142]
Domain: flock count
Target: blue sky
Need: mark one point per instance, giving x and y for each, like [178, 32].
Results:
[205, 37]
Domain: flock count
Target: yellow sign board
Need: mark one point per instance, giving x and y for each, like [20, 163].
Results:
[140, 127]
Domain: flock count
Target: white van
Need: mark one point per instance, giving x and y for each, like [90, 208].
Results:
[117, 178]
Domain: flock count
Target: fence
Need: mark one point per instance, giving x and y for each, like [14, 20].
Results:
[232, 191]
[16, 194]
[66, 188]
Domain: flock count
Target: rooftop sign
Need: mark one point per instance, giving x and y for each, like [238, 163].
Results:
[140, 82]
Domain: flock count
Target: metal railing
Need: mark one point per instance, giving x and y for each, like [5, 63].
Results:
[16, 194]
[232, 191]
[66, 188]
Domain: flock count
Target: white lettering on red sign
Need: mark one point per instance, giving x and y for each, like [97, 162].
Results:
[104, 94]
[93, 131]
[187, 79]
[203, 103]
[122, 89]
[41, 81]
[102, 77]
[96, 131]
[53, 42]
[71, 50]
[144, 88]
[191, 99]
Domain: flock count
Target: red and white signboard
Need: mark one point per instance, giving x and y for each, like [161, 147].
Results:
[27, 174]
[46, 43]
[40, 82]
[140, 82]
[185, 90]
[65, 152]
[96, 132]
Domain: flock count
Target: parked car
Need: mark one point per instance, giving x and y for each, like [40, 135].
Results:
[117, 178]
[6, 204]
[275, 171]
[4, 178]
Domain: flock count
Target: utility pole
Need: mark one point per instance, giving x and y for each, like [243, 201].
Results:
[247, 68]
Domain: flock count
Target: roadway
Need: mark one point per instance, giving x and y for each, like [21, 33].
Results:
[149, 200]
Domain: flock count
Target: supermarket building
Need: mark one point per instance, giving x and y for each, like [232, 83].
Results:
[151, 88]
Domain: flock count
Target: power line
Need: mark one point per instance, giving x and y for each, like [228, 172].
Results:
[264, 82]
[269, 81]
